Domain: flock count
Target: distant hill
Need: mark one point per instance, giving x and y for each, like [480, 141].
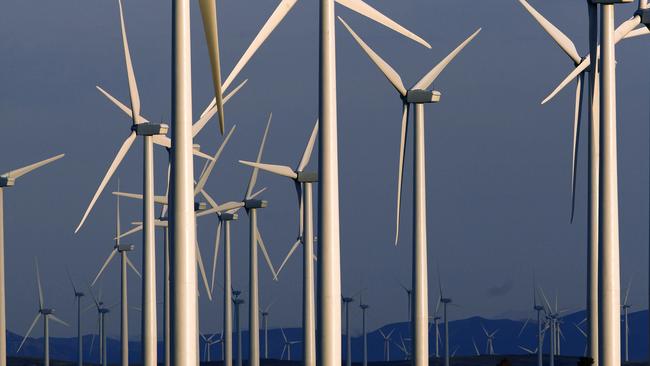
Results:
[461, 333]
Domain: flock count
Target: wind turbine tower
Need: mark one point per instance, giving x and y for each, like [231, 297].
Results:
[348, 340]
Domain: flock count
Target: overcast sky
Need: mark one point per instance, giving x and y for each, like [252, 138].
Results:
[498, 182]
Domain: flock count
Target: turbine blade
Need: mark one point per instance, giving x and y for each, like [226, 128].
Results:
[627, 292]
[574, 74]
[29, 331]
[282, 170]
[258, 193]
[133, 86]
[253, 178]
[260, 241]
[523, 327]
[56, 319]
[306, 155]
[204, 277]
[134, 230]
[560, 38]
[576, 138]
[625, 28]
[106, 262]
[17, 173]
[372, 13]
[135, 196]
[210, 112]
[128, 261]
[119, 104]
[581, 331]
[216, 254]
[126, 145]
[400, 171]
[429, 78]
[40, 287]
[385, 68]
[545, 300]
[74, 288]
[209, 198]
[276, 17]
[208, 170]
[289, 254]
[209, 15]
[637, 33]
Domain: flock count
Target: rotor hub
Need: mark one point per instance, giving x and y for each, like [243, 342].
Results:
[419, 96]
[7, 181]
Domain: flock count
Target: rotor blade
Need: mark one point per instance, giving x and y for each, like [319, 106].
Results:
[560, 38]
[581, 331]
[17, 173]
[74, 288]
[128, 261]
[476, 348]
[626, 27]
[400, 171]
[133, 230]
[106, 262]
[29, 330]
[283, 335]
[253, 178]
[126, 145]
[527, 350]
[282, 170]
[372, 13]
[135, 196]
[258, 193]
[210, 112]
[306, 155]
[209, 198]
[56, 319]
[576, 139]
[485, 331]
[627, 292]
[276, 17]
[40, 287]
[133, 86]
[119, 104]
[209, 15]
[284, 262]
[216, 254]
[208, 170]
[204, 277]
[550, 309]
[638, 32]
[265, 253]
[429, 78]
[523, 327]
[385, 68]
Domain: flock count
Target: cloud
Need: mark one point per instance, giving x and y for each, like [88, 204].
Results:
[501, 290]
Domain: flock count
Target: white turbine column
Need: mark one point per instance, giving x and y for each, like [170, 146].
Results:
[609, 287]
[253, 305]
[365, 339]
[3, 323]
[308, 311]
[348, 342]
[227, 299]
[627, 336]
[46, 340]
[446, 336]
[551, 361]
[420, 302]
[265, 320]
[79, 339]
[105, 346]
[149, 333]
[240, 355]
[124, 324]
[166, 302]
[101, 339]
[182, 229]
[435, 321]
[592, 205]
[329, 251]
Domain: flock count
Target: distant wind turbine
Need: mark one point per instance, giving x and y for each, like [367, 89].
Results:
[265, 323]
[626, 330]
[237, 302]
[364, 307]
[417, 95]
[348, 336]
[386, 338]
[7, 180]
[47, 314]
[77, 295]
[537, 308]
[489, 346]
[287, 346]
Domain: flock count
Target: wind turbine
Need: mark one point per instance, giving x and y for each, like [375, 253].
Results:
[445, 301]
[287, 346]
[626, 307]
[7, 180]
[436, 325]
[237, 301]
[408, 300]
[348, 339]
[77, 295]
[182, 230]
[402, 347]
[489, 346]
[209, 341]
[584, 334]
[582, 66]
[265, 321]
[102, 311]
[47, 314]
[417, 95]
[302, 181]
[540, 332]
[553, 317]
[386, 338]
[364, 307]
[125, 262]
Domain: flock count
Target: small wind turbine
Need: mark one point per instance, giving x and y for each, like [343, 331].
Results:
[7, 180]
[302, 181]
[209, 342]
[237, 302]
[436, 326]
[364, 307]
[77, 295]
[102, 311]
[584, 334]
[626, 308]
[265, 322]
[445, 301]
[386, 338]
[287, 346]
[47, 314]
[537, 308]
[348, 339]
[408, 300]
[417, 95]
[489, 346]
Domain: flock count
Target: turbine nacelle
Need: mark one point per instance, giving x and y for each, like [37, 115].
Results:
[307, 177]
[445, 300]
[347, 299]
[539, 308]
[104, 311]
[150, 129]
[7, 181]
[611, 2]
[200, 206]
[229, 216]
[644, 14]
[254, 204]
[418, 96]
[125, 247]
[47, 311]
